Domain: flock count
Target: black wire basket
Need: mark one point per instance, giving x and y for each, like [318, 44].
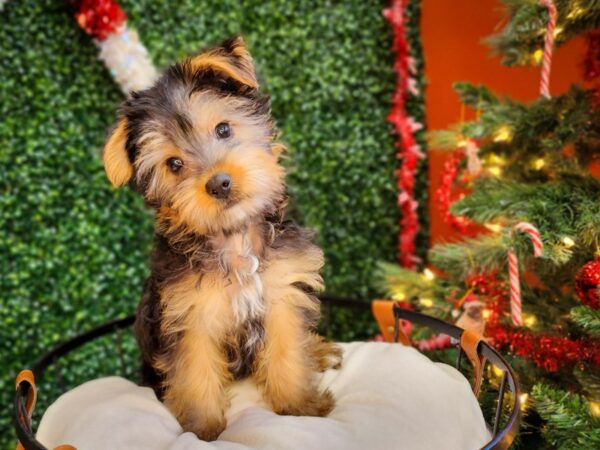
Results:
[503, 427]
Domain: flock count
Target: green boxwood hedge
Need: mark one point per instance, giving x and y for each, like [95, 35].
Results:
[74, 251]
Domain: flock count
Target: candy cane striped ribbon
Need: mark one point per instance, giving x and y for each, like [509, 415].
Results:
[548, 46]
[513, 269]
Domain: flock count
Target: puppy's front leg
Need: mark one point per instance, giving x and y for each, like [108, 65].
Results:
[285, 367]
[195, 387]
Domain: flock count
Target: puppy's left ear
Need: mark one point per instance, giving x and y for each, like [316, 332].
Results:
[116, 161]
[230, 58]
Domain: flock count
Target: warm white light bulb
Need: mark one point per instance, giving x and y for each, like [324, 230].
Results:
[568, 242]
[524, 397]
[426, 302]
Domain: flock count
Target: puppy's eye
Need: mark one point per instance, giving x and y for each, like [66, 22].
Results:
[175, 164]
[223, 130]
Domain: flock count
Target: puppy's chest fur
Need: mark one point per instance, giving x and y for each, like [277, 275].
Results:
[239, 263]
[224, 301]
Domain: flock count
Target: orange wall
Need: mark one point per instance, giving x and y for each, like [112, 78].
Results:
[452, 31]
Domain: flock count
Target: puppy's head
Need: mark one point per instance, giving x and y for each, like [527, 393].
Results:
[199, 144]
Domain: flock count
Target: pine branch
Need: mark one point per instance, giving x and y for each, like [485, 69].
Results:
[525, 31]
[477, 97]
[523, 133]
[587, 318]
[403, 284]
[569, 422]
[590, 381]
[559, 209]
[482, 254]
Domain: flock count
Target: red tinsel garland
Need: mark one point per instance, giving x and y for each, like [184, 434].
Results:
[409, 151]
[549, 352]
[445, 198]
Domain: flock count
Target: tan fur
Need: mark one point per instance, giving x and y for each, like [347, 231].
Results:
[196, 381]
[257, 177]
[325, 355]
[230, 294]
[256, 181]
[243, 71]
[201, 309]
[285, 367]
[278, 149]
[116, 163]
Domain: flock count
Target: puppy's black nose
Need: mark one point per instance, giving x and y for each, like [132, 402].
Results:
[219, 185]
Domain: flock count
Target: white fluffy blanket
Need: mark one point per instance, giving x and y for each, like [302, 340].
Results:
[388, 397]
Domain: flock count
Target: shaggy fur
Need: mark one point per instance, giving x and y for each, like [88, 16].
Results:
[232, 286]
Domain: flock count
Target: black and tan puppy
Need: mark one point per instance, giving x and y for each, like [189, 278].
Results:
[231, 292]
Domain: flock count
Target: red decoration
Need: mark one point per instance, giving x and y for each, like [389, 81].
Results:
[550, 352]
[437, 342]
[548, 47]
[445, 197]
[99, 18]
[587, 282]
[591, 62]
[409, 152]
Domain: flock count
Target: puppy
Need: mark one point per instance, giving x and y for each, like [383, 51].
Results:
[232, 287]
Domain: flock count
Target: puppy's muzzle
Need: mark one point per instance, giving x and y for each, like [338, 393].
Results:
[219, 186]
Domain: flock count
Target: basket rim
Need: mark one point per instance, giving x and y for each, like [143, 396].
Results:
[501, 439]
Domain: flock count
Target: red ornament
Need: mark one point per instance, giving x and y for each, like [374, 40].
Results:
[587, 282]
[99, 18]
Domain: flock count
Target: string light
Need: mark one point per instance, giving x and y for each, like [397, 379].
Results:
[557, 31]
[495, 227]
[529, 320]
[497, 159]
[495, 170]
[524, 397]
[426, 302]
[536, 56]
[503, 134]
[498, 372]
[568, 242]
[486, 313]
[576, 11]
[595, 409]
[400, 296]
[428, 274]
[538, 163]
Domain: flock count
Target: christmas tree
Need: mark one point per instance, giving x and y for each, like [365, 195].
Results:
[527, 271]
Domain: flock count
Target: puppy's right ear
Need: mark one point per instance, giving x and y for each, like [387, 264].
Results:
[116, 161]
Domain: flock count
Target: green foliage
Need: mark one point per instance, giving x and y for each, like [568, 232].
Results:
[403, 284]
[535, 167]
[565, 208]
[587, 318]
[540, 129]
[415, 107]
[469, 256]
[569, 422]
[524, 32]
[73, 251]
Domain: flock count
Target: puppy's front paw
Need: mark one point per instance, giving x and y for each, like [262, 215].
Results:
[327, 355]
[318, 404]
[206, 429]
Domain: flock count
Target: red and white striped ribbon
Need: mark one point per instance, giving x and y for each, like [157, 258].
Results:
[548, 47]
[513, 269]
